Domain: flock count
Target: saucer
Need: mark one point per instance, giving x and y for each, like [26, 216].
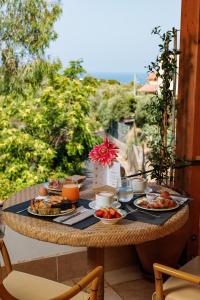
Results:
[45, 198]
[115, 204]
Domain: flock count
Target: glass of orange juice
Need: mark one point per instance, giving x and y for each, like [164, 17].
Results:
[70, 191]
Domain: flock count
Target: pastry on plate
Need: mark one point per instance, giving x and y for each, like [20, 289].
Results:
[55, 184]
[42, 191]
[42, 208]
[75, 178]
[55, 199]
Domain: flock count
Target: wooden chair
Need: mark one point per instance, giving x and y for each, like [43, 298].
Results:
[184, 284]
[23, 286]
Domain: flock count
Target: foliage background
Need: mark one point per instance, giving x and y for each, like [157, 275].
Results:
[45, 133]
[49, 116]
[44, 110]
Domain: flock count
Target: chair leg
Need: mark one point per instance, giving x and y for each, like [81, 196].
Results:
[95, 257]
[159, 285]
[94, 289]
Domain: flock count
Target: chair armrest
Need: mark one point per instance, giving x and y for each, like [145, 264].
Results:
[160, 269]
[177, 273]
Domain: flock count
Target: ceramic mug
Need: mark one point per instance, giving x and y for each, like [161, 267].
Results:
[139, 184]
[104, 199]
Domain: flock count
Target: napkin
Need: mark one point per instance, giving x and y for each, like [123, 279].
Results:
[70, 215]
[82, 216]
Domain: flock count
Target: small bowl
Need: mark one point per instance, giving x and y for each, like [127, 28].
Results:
[113, 221]
[151, 196]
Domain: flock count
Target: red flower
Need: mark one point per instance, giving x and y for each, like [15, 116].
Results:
[104, 154]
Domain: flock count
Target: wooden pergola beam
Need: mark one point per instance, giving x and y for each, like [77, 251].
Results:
[188, 118]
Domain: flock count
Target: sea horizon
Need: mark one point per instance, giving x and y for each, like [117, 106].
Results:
[122, 77]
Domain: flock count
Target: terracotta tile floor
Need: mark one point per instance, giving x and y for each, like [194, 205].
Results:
[125, 284]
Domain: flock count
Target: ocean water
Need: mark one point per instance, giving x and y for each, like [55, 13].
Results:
[121, 77]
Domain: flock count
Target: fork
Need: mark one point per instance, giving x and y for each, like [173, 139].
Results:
[131, 210]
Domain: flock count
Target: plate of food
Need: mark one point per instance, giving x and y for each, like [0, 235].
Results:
[51, 207]
[55, 185]
[77, 179]
[158, 202]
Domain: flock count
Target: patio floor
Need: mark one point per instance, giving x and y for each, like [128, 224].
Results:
[124, 284]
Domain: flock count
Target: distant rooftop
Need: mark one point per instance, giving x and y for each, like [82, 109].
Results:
[151, 86]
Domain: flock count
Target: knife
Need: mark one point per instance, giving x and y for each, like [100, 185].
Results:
[64, 218]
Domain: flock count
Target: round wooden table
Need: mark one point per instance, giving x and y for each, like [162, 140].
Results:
[95, 237]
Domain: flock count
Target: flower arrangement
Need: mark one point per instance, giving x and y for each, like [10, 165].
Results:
[104, 154]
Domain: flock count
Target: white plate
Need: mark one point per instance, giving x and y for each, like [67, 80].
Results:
[154, 209]
[113, 221]
[66, 212]
[146, 190]
[45, 198]
[115, 204]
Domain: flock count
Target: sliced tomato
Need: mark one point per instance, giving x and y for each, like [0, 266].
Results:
[110, 216]
[112, 211]
[117, 214]
[105, 214]
[99, 213]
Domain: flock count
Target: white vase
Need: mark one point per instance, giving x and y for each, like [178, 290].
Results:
[108, 175]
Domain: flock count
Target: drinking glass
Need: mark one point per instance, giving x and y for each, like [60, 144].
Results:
[70, 191]
[124, 190]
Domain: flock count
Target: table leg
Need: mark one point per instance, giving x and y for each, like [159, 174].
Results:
[95, 257]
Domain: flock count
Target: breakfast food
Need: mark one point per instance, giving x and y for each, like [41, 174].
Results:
[75, 178]
[54, 200]
[165, 194]
[55, 184]
[163, 201]
[108, 213]
[42, 207]
[43, 191]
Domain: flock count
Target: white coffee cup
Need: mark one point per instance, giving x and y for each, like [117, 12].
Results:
[138, 184]
[104, 199]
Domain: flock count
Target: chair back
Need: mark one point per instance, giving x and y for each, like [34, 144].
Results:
[93, 278]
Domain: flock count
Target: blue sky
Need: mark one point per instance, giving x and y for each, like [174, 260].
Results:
[112, 35]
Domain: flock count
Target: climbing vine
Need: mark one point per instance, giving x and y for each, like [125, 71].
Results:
[162, 108]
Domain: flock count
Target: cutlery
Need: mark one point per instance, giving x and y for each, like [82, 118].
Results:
[70, 216]
[20, 211]
[75, 215]
[80, 217]
[131, 210]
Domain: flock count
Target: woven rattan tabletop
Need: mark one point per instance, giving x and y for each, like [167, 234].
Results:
[98, 235]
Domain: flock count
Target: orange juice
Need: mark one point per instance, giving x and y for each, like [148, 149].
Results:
[70, 192]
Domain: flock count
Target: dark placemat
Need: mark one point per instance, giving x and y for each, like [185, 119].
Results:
[135, 216]
[80, 225]
[141, 216]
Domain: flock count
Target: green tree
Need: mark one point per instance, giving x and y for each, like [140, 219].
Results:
[44, 114]
[44, 134]
[112, 102]
[26, 28]
[75, 69]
